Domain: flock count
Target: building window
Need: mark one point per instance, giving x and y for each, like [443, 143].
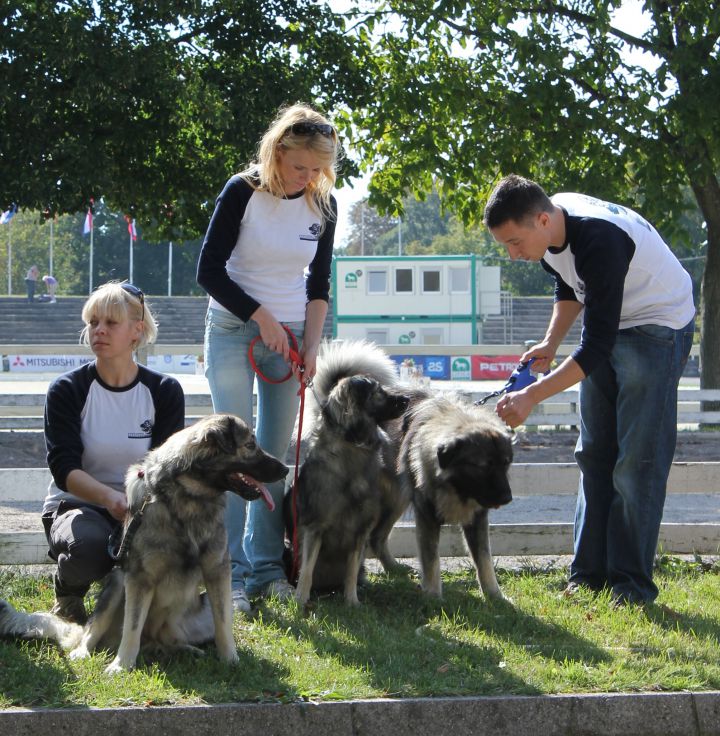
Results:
[379, 337]
[431, 281]
[432, 336]
[403, 280]
[459, 280]
[377, 282]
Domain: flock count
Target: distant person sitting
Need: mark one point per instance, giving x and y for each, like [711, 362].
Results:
[31, 281]
[51, 285]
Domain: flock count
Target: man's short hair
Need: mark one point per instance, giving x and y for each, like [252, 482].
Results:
[515, 199]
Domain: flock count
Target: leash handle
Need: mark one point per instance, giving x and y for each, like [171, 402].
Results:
[295, 358]
[520, 378]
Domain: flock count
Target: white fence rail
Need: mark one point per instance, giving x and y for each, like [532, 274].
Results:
[22, 540]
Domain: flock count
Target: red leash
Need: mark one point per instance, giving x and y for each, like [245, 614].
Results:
[295, 359]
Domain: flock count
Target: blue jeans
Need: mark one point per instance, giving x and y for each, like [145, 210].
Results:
[628, 431]
[255, 534]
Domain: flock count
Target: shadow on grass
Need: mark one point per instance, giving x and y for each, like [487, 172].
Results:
[411, 645]
[32, 674]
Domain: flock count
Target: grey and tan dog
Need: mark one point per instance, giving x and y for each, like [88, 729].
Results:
[454, 461]
[180, 544]
[349, 496]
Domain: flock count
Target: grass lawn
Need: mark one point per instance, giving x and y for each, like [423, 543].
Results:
[400, 644]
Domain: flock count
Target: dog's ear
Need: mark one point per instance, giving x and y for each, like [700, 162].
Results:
[362, 387]
[446, 452]
[219, 435]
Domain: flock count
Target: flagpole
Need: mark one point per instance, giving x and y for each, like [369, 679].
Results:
[9, 258]
[131, 258]
[52, 236]
[170, 268]
[92, 230]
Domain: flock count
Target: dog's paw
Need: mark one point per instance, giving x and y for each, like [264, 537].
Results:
[116, 667]
[230, 657]
[80, 652]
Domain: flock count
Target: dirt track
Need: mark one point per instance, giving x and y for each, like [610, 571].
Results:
[27, 449]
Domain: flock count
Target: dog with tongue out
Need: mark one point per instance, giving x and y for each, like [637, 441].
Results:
[173, 545]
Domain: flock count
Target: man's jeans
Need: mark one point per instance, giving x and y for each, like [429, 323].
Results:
[255, 534]
[628, 413]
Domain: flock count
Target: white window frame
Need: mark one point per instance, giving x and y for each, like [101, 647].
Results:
[459, 269]
[375, 271]
[429, 269]
[378, 331]
[437, 332]
[412, 278]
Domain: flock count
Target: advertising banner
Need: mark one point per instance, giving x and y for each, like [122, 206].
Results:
[493, 367]
[46, 363]
[436, 367]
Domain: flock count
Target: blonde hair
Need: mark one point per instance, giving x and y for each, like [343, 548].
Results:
[112, 301]
[280, 136]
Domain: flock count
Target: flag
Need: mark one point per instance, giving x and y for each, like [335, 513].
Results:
[131, 227]
[87, 227]
[8, 214]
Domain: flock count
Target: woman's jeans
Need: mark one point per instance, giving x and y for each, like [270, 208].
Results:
[256, 535]
[628, 430]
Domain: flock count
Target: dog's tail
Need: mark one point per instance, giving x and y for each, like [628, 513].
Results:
[340, 359]
[38, 626]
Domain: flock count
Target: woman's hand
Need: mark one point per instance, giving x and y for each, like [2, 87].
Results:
[116, 504]
[272, 333]
[309, 355]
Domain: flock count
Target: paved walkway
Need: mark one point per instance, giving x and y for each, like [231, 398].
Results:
[652, 714]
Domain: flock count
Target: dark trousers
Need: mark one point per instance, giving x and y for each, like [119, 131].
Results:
[30, 283]
[78, 540]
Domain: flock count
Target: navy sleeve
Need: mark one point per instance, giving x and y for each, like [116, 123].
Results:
[563, 292]
[220, 239]
[65, 399]
[603, 252]
[169, 401]
[317, 285]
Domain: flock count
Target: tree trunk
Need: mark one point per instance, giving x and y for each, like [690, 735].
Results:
[707, 193]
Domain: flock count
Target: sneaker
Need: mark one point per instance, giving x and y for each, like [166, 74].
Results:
[70, 608]
[279, 589]
[240, 602]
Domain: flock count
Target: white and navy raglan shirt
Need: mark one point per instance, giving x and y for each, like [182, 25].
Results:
[102, 429]
[265, 250]
[615, 263]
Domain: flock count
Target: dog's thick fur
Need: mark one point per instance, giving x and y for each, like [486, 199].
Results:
[179, 488]
[348, 491]
[454, 461]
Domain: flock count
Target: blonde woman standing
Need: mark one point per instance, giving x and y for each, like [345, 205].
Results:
[99, 419]
[265, 263]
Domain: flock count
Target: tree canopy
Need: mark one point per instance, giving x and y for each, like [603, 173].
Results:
[152, 105]
[558, 90]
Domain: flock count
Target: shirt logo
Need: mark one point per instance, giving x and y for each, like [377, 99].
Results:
[146, 428]
[314, 232]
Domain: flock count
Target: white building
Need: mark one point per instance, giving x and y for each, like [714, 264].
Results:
[413, 300]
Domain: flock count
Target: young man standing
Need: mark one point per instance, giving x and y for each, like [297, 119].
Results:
[611, 265]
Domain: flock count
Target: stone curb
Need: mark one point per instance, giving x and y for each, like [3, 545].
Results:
[654, 714]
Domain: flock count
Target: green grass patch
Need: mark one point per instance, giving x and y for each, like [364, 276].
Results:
[401, 644]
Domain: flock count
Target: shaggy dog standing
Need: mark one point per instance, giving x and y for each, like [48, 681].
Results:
[348, 491]
[454, 461]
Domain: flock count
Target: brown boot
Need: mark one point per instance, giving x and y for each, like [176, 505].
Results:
[71, 608]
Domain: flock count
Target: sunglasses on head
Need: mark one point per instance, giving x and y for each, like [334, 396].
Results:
[137, 293]
[312, 128]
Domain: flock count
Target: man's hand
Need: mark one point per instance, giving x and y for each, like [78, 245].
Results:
[514, 408]
[544, 354]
